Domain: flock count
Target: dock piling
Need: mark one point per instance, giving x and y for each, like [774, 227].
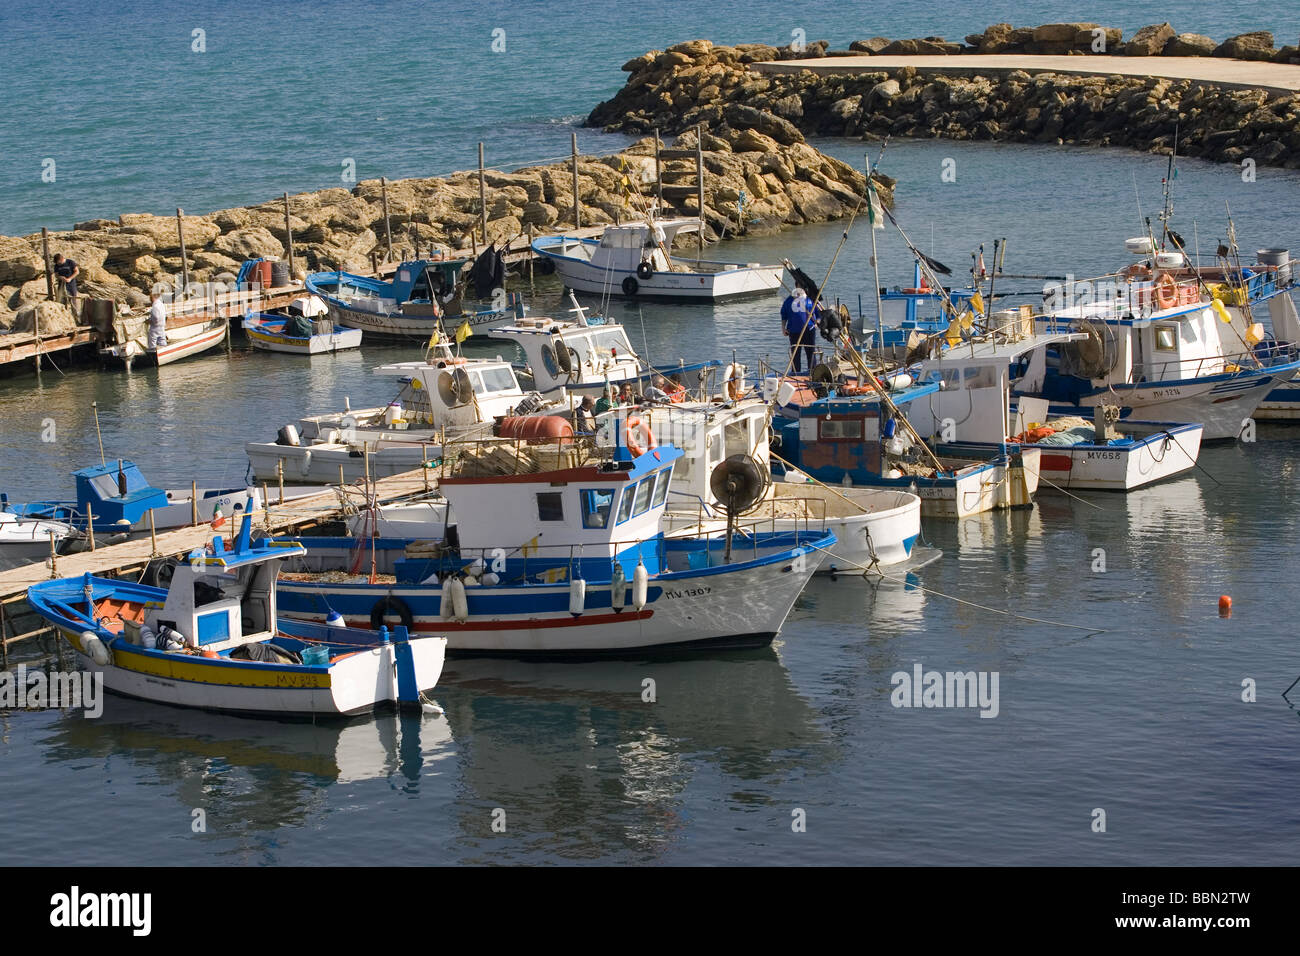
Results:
[388, 226]
[577, 210]
[288, 236]
[185, 262]
[153, 537]
[194, 503]
[482, 195]
[49, 266]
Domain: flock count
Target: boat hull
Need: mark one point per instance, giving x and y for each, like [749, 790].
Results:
[265, 336]
[395, 325]
[737, 605]
[210, 336]
[729, 281]
[320, 463]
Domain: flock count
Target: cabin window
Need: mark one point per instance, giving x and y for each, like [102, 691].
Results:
[625, 507]
[840, 429]
[550, 506]
[981, 376]
[643, 492]
[948, 378]
[597, 503]
[494, 380]
[548, 361]
[736, 438]
[1166, 338]
[661, 489]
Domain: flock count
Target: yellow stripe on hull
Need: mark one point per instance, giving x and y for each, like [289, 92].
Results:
[219, 672]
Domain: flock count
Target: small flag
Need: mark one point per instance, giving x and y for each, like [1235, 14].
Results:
[434, 339]
[463, 332]
[531, 547]
[981, 265]
[218, 519]
[977, 302]
[874, 212]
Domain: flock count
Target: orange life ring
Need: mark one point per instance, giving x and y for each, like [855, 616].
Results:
[633, 423]
[735, 389]
[1167, 291]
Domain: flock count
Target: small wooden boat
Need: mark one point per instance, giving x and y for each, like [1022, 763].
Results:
[187, 335]
[212, 640]
[277, 333]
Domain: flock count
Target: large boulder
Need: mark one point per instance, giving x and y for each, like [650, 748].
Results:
[250, 242]
[1150, 40]
[1061, 32]
[198, 231]
[19, 261]
[1189, 44]
[871, 46]
[1247, 46]
[783, 131]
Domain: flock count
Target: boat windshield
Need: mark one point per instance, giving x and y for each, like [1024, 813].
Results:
[498, 378]
[611, 339]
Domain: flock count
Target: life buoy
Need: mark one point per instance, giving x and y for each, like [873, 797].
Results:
[630, 286]
[645, 270]
[562, 357]
[386, 604]
[734, 382]
[304, 466]
[634, 424]
[1167, 291]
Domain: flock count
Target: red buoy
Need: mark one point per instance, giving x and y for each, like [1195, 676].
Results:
[1225, 606]
[536, 428]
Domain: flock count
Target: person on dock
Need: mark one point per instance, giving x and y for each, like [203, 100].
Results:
[157, 321]
[801, 328]
[66, 271]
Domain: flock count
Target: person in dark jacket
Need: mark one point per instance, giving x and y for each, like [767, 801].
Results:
[66, 271]
[800, 324]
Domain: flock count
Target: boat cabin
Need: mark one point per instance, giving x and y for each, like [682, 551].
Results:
[115, 493]
[625, 246]
[455, 391]
[223, 597]
[573, 520]
[566, 353]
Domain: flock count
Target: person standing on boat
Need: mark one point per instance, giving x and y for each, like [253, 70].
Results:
[800, 327]
[157, 321]
[66, 271]
[584, 417]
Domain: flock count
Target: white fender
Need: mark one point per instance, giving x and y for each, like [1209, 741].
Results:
[491, 578]
[94, 648]
[305, 465]
[459, 604]
[618, 589]
[640, 586]
[577, 596]
[445, 608]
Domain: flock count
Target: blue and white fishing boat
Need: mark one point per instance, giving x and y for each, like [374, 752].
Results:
[635, 259]
[306, 330]
[1175, 343]
[586, 355]
[212, 640]
[120, 500]
[569, 561]
[908, 315]
[423, 296]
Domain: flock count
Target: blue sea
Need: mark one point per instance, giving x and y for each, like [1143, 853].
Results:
[1120, 691]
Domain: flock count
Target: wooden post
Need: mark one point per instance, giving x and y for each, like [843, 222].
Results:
[388, 226]
[4, 646]
[279, 473]
[699, 182]
[288, 236]
[424, 466]
[90, 529]
[185, 265]
[266, 502]
[482, 194]
[341, 481]
[194, 503]
[153, 536]
[36, 331]
[374, 266]
[49, 266]
[531, 256]
[659, 176]
[577, 210]
[54, 558]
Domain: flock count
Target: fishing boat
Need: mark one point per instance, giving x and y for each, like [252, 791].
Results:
[567, 561]
[306, 330]
[25, 540]
[1176, 343]
[972, 415]
[908, 315]
[120, 500]
[444, 397]
[725, 444]
[213, 640]
[586, 355]
[186, 335]
[635, 259]
[422, 297]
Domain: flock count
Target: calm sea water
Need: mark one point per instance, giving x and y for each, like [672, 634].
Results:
[1137, 711]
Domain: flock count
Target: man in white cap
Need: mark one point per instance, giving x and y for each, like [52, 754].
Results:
[794, 317]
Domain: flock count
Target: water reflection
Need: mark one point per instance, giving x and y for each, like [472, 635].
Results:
[581, 762]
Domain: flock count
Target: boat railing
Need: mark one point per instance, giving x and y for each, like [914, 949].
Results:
[1264, 355]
